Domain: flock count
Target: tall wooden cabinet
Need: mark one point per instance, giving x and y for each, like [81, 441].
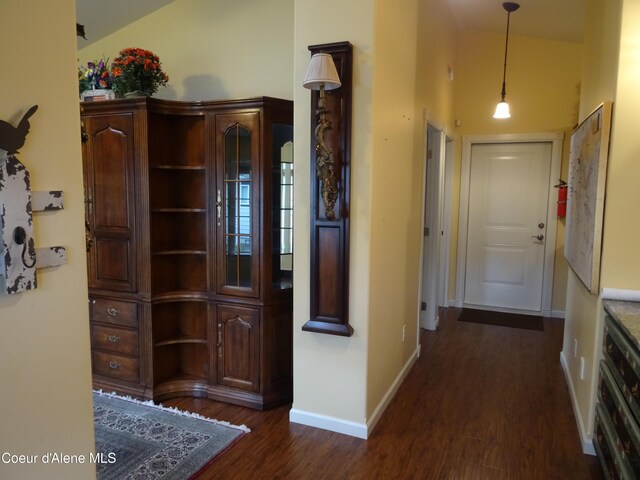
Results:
[189, 237]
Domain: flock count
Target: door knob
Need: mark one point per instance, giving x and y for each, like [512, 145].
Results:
[541, 225]
[538, 237]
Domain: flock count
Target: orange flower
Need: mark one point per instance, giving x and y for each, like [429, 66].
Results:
[138, 69]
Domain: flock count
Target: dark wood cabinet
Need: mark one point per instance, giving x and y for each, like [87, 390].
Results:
[110, 201]
[238, 347]
[189, 224]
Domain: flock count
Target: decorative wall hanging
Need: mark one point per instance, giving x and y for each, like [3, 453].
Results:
[330, 185]
[585, 207]
[19, 258]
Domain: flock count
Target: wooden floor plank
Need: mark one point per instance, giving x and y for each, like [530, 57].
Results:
[482, 402]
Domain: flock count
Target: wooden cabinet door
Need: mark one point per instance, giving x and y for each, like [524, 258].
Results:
[109, 185]
[238, 333]
[237, 198]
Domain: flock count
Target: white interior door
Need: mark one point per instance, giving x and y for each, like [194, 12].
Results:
[429, 310]
[432, 229]
[508, 204]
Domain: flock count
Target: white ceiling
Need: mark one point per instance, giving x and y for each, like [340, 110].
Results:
[553, 19]
[103, 17]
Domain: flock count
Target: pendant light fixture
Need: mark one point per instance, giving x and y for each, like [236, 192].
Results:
[502, 109]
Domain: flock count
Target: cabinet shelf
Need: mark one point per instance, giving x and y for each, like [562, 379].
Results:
[180, 252]
[165, 343]
[182, 360]
[168, 231]
[179, 295]
[180, 321]
[179, 167]
[179, 210]
[178, 187]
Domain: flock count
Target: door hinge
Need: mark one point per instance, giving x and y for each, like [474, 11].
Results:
[426, 231]
[423, 306]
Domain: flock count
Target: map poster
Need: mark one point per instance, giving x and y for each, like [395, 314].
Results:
[585, 200]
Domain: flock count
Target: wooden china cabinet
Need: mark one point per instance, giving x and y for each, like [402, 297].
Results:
[189, 238]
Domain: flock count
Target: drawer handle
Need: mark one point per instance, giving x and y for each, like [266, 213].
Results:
[113, 338]
[113, 312]
[114, 365]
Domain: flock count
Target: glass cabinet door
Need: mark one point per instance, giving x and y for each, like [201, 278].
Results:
[282, 216]
[237, 205]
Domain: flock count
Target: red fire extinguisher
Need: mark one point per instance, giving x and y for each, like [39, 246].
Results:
[562, 198]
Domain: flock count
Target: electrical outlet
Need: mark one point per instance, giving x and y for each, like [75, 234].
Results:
[404, 332]
[581, 368]
[575, 347]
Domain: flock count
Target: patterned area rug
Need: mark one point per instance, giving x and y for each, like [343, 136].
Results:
[139, 440]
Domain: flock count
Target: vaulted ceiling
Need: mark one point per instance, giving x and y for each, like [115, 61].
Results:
[552, 19]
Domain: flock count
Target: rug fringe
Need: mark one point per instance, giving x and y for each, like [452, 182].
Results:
[177, 411]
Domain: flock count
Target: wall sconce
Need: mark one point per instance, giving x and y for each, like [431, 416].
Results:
[322, 75]
[330, 159]
[502, 109]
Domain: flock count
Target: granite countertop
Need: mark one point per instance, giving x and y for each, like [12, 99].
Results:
[627, 315]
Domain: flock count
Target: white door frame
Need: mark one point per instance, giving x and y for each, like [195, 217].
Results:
[447, 216]
[468, 141]
[440, 182]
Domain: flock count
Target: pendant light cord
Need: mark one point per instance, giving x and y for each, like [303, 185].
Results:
[506, 47]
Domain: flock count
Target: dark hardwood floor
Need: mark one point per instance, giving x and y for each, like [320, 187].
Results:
[482, 402]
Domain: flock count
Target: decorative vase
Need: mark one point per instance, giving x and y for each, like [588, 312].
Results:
[135, 93]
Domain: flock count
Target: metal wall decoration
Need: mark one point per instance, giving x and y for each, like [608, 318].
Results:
[19, 258]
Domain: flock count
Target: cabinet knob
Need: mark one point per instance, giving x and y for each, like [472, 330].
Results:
[114, 365]
[113, 312]
[113, 338]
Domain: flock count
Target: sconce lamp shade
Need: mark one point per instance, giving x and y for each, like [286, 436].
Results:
[502, 110]
[321, 72]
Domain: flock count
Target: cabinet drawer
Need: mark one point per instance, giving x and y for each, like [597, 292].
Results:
[605, 445]
[116, 366]
[622, 423]
[624, 363]
[114, 339]
[116, 312]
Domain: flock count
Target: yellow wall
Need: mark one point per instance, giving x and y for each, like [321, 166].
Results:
[45, 372]
[212, 49]
[396, 237]
[330, 372]
[395, 78]
[543, 91]
[436, 52]
[611, 72]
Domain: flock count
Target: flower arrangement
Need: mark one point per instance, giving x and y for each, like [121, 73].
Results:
[94, 75]
[135, 69]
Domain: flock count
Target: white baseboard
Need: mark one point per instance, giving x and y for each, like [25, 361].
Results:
[585, 438]
[553, 313]
[333, 424]
[347, 427]
[384, 403]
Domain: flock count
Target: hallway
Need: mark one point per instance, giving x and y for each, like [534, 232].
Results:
[482, 402]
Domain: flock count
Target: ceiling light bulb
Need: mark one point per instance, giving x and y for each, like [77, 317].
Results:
[502, 110]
